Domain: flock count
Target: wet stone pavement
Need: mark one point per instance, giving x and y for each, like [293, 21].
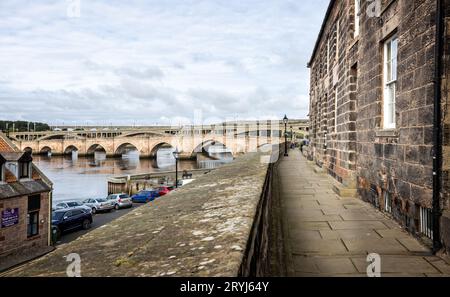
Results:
[326, 235]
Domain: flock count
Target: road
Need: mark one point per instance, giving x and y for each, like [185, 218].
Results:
[99, 220]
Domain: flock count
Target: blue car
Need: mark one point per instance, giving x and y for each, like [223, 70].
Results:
[145, 196]
[69, 219]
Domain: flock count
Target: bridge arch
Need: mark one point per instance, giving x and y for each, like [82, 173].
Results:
[45, 150]
[156, 147]
[95, 148]
[28, 149]
[204, 147]
[71, 148]
[52, 137]
[143, 134]
[125, 148]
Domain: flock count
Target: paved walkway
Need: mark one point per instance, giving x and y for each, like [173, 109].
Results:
[326, 235]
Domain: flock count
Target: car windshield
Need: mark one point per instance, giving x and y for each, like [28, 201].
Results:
[72, 204]
[57, 215]
[101, 200]
[123, 196]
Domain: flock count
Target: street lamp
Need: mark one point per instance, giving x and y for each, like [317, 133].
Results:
[292, 135]
[176, 154]
[285, 121]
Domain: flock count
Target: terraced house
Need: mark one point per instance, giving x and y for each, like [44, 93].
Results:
[25, 207]
[379, 108]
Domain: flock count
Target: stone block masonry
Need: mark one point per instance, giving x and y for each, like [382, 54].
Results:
[365, 140]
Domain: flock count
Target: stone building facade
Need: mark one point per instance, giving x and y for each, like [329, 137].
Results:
[25, 206]
[372, 100]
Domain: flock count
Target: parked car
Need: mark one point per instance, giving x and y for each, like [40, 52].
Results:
[98, 204]
[71, 219]
[71, 204]
[145, 196]
[120, 200]
[163, 190]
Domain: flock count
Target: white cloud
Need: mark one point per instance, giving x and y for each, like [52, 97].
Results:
[149, 62]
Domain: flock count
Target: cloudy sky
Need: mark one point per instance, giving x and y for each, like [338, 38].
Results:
[148, 62]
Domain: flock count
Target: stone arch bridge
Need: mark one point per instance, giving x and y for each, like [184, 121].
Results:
[146, 145]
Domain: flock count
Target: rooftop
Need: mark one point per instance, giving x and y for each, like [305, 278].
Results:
[24, 188]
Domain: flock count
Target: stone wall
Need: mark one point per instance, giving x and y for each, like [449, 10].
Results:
[445, 230]
[392, 167]
[396, 165]
[333, 101]
[210, 227]
[14, 239]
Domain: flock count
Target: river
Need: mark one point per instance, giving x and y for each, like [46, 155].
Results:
[76, 178]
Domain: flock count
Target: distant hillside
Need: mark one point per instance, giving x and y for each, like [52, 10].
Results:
[22, 126]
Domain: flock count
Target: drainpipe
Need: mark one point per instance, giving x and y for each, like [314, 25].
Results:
[437, 130]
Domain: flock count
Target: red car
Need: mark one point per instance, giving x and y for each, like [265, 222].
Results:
[163, 190]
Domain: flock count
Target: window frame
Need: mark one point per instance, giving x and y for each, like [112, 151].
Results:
[2, 172]
[387, 84]
[335, 110]
[24, 165]
[357, 19]
[34, 214]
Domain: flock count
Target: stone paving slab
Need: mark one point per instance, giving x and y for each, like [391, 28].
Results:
[375, 245]
[398, 264]
[351, 225]
[349, 234]
[331, 236]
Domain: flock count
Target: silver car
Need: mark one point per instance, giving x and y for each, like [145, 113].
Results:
[70, 205]
[120, 200]
[98, 204]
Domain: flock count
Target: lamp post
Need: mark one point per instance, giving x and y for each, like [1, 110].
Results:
[292, 135]
[285, 121]
[176, 154]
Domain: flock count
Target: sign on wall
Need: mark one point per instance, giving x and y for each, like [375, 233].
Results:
[10, 217]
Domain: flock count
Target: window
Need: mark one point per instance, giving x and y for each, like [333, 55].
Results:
[2, 177]
[33, 224]
[426, 222]
[34, 205]
[332, 45]
[387, 202]
[335, 110]
[357, 17]
[76, 212]
[24, 169]
[390, 82]
[34, 202]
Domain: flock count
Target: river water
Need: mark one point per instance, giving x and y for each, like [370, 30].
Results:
[76, 178]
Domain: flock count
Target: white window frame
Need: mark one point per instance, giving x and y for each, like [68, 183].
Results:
[357, 18]
[337, 42]
[335, 110]
[389, 103]
[2, 173]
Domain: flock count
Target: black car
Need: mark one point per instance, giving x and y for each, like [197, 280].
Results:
[70, 219]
